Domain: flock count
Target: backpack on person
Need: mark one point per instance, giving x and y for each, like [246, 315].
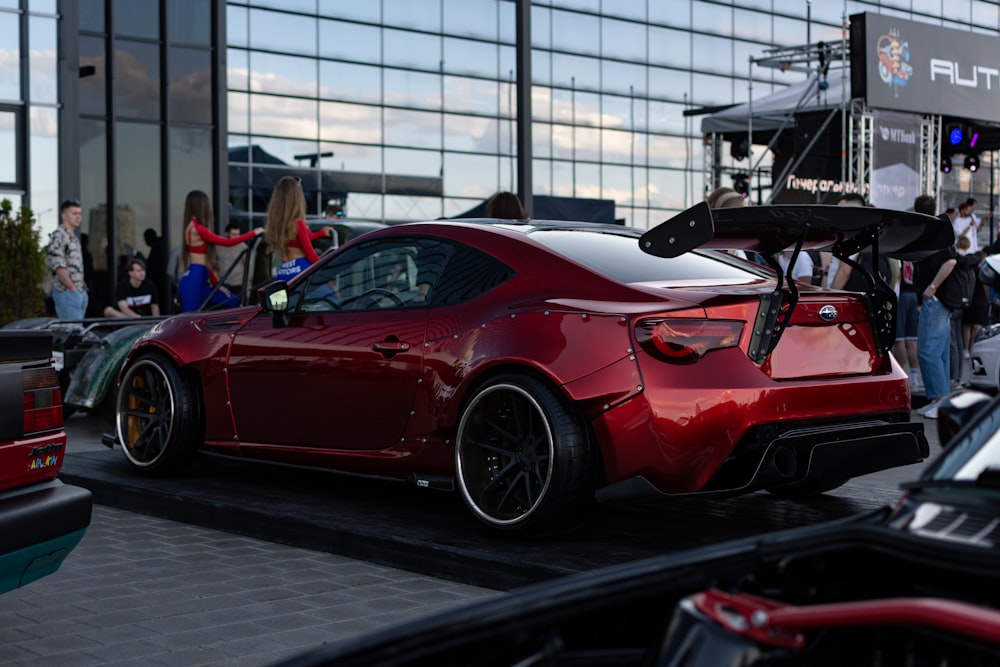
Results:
[958, 288]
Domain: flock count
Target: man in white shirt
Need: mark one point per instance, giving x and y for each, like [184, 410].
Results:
[803, 269]
[967, 224]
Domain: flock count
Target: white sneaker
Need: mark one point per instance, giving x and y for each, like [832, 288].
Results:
[966, 354]
[929, 411]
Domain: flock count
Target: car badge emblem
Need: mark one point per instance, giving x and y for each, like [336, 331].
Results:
[828, 313]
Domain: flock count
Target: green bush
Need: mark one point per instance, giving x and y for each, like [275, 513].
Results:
[22, 265]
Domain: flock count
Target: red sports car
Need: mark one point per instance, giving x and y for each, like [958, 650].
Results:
[535, 365]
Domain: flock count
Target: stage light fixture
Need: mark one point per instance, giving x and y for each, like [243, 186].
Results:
[956, 135]
[741, 183]
[739, 149]
[972, 162]
[946, 165]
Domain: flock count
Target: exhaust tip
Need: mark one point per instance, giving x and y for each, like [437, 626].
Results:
[785, 462]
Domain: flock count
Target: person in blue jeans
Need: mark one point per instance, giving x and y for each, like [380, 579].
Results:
[934, 329]
[64, 257]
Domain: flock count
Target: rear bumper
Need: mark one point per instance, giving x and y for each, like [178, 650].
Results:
[39, 525]
[818, 455]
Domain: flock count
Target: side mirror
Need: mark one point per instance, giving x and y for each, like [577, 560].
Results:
[956, 411]
[274, 299]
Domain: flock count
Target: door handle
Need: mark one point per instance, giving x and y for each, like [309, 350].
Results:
[391, 346]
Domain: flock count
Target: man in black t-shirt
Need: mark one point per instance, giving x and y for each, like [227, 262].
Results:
[136, 296]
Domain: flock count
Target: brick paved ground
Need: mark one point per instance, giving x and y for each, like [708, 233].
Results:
[144, 591]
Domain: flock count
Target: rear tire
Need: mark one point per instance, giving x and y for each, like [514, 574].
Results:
[156, 416]
[523, 460]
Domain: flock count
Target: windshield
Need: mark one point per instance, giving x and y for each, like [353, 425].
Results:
[618, 256]
[975, 452]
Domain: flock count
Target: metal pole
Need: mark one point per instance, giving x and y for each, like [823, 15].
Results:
[843, 101]
[524, 156]
[631, 113]
[572, 93]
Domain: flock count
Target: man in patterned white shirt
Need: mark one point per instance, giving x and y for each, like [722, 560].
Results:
[64, 257]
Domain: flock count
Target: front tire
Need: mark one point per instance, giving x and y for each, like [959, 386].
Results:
[523, 460]
[156, 416]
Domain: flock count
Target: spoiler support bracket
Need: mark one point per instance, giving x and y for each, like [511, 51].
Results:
[775, 309]
[881, 298]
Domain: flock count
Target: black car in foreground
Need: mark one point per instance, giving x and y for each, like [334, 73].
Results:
[914, 584]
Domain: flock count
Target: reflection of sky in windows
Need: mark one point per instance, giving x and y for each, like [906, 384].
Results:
[472, 95]
[349, 157]
[471, 133]
[277, 31]
[42, 59]
[576, 71]
[350, 122]
[713, 54]
[412, 162]
[624, 40]
[10, 57]
[412, 128]
[137, 179]
[8, 155]
[669, 47]
[282, 75]
[672, 13]
[576, 33]
[711, 18]
[471, 175]
[471, 18]
[237, 26]
[412, 89]
[137, 74]
[622, 147]
[667, 151]
[624, 78]
[463, 56]
[541, 67]
[669, 83]
[588, 91]
[283, 116]
[418, 14]
[190, 85]
[137, 18]
[237, 69]
[353, 83]
[350, 41]
[410, 49]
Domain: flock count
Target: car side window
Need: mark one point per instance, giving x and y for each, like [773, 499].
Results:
[468, 274]
[379, 274]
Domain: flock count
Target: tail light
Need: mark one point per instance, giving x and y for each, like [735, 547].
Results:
[42, 400]
[685, 341]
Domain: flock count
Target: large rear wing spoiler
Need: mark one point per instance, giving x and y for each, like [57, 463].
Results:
[842, 230]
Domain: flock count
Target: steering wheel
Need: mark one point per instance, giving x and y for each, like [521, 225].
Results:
[371, 297]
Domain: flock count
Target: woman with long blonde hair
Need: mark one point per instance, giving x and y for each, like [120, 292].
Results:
[287, 234]
[198, 254]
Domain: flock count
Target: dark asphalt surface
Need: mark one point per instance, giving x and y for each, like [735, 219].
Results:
[244, 564]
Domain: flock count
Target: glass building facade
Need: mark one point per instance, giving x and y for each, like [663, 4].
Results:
[395, 109]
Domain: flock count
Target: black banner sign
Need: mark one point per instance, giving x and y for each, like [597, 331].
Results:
[908, 66]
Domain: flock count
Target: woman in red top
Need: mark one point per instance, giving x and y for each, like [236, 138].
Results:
[197, 255]
[287, 233]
